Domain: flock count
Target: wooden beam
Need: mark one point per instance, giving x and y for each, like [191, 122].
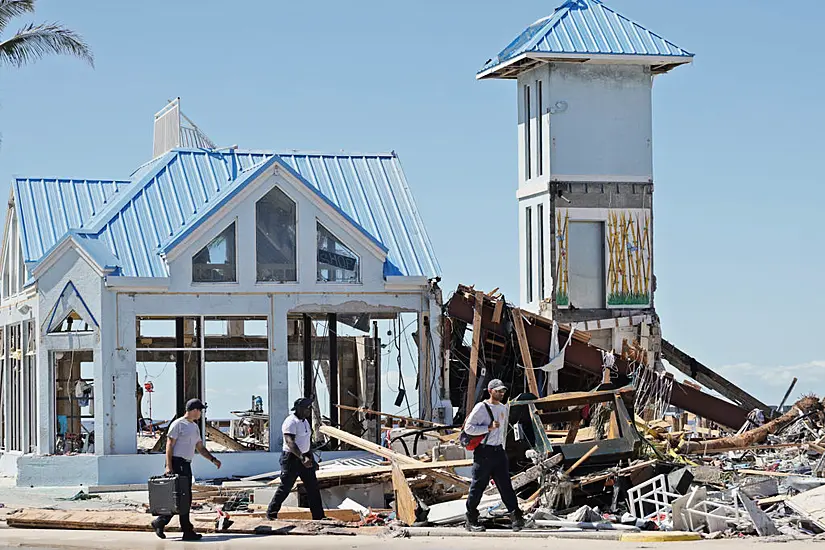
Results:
[395, 416]
[570, 399]
[222, 439]
[391, 455]
[498, 311]
[342, 475]
[471, 381]
[526, 358]
[405, 504]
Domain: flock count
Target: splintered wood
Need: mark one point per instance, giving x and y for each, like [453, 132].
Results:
[471, 383]
[526, 357]
[404, 500]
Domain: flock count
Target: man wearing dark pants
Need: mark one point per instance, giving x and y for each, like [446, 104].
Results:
[297, 461]
[489, 458]
[182, 440]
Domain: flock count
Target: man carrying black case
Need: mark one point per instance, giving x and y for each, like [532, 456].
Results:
[182, 440]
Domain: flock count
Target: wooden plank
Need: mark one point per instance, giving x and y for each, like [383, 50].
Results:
[526, 357]
[472, 380]
[383, 452]
[767, 473]
[621, 472]
[580, 461]
[394, 416]
[96, 489]
[405, 504]
[139, 521]
[221, 438]
[559, 400]
[322, 475]
[572, 431]
[338, 514]
[529, 475]
[498, 311]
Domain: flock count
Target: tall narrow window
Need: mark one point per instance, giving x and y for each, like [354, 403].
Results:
[528, 115]
[528, 222]
[215, 262]
[539, 131]
[276, 244]
[336, 262]
[540, 216]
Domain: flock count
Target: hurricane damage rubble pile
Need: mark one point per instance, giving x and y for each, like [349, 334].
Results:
[608, 441]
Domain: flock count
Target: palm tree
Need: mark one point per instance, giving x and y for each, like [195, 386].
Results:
[33, 42]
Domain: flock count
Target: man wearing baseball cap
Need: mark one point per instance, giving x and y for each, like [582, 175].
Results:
[297, 461]
[182, 440]
[489, 458]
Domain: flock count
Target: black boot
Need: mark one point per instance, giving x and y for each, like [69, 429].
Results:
[517, 520]
[158, 529]
[191, 535]
[472, 524]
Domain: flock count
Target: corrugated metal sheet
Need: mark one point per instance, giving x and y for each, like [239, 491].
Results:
[372, 190]
[167, 198]
[588, 27]
[49, 208]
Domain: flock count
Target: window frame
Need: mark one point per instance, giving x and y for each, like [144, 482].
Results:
[297, 238]
[359, 270]
[237, 265]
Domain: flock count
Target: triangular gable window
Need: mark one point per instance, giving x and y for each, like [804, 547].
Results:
[216, 262]
[70, 314]
[73, 322]
[336, 262]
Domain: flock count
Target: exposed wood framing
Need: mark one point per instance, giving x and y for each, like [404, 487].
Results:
[404, 500]
[471, 383]
[526, 357]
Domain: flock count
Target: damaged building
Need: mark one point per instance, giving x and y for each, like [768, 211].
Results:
[243, 277]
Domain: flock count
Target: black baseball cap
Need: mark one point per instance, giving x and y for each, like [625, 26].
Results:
[302, 403]
[193, 404]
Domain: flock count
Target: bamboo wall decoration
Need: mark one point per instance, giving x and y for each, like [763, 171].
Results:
[628, 251]
[561, 279]
[628, 247]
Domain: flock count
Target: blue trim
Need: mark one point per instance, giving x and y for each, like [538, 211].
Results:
[391, 270]
[82, 302]
[83, 241]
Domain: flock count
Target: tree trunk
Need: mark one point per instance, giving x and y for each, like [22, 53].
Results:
[757, 435]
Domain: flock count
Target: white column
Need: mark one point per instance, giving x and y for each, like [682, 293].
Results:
[278, 367]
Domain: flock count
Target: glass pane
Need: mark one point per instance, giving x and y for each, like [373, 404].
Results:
[276, 238]
[237, 385]
[235, 332]
[215, 263]
[336, 262]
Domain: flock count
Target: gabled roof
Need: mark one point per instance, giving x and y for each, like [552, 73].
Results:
[138, 220]
[579, 29]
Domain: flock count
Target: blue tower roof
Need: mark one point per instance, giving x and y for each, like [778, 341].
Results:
[584, 30]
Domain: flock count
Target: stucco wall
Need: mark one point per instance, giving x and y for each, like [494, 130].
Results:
[605, 127]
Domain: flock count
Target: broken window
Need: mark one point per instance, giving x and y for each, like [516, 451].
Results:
[276, 242]
[74, 420]
[225, 365]
[73, 322]
[336, 262]
[216, 262]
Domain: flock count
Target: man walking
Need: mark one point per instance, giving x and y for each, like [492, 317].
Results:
[182, 440]
[489, 458]
[297, 461]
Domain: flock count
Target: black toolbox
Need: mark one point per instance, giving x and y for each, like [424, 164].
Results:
[164, 495]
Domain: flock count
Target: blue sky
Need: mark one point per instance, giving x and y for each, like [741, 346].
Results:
[737, 136]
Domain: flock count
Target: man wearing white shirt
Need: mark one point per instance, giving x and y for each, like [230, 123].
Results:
[489, 458]
[297, 461]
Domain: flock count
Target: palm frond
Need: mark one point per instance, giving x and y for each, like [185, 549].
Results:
[36, 41]
[13, 8]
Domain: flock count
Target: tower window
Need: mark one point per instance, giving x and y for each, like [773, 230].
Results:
[539, 132]
[528, 222]
[540, 216]
[528, 115]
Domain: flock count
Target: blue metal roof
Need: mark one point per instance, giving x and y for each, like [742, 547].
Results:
[136, 221]
[588, 27]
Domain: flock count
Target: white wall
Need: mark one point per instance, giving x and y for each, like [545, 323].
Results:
[606, 128]
[310, 210]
